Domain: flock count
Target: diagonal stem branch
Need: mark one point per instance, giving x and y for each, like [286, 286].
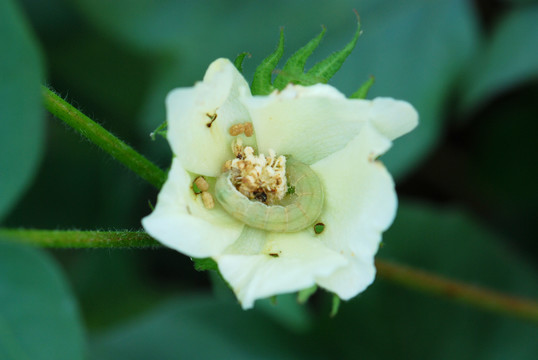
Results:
[102, 138]
[473, 295]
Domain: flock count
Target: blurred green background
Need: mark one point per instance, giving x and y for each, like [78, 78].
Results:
[467, 177]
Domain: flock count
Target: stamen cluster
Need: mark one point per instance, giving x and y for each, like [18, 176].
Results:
[258, 177]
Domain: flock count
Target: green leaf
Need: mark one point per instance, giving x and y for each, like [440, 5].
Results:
[205, 264]
[294, 67]
[261, 81]
[362, 92]
[38, 314]
[198, 327]
[325, 69]
[510, 58]
[21, 114]
[238, 62]
[416, 52]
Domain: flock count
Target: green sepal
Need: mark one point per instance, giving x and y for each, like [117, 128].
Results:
[203, 264]
[261, 81]
[335, 306]
[293, 70]
[325, 69]
[238, 62]
[304, 295]
[363, 90]
[160, 130]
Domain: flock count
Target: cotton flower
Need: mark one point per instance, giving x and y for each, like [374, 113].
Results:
[337, 139]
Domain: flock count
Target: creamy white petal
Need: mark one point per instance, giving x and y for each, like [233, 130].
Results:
[181, 222]
[276, 263]
[393, 118]
[312, 122]
[199, 118]
[360, 204]
[308, 123]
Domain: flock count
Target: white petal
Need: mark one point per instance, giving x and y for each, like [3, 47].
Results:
[393, 118]
[181, 222]
[203, 145]
[313, 122]
[306, 122]
[360, 204]
[298, 259]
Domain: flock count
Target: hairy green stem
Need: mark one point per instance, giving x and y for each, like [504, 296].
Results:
[79, 239]
[102, 138]
[473, 295]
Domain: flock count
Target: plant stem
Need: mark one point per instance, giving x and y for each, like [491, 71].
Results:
[102, 138]
[473, 295]
[79, 239]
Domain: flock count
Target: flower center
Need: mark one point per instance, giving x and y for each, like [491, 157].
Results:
[258, 177]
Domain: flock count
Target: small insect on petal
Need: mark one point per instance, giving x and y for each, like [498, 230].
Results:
[208, 201]
[201, 183]
[319, 227]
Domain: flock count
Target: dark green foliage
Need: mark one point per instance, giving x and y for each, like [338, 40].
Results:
[38, 314]
[21, 114]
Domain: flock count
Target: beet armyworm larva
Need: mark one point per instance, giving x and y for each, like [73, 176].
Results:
[296, 211]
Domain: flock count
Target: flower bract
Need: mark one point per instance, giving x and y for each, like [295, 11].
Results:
[218, 128]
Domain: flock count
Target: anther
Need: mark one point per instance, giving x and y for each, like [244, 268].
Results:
[208, 201]
[202, 184]
[248, 129]
[236, 129]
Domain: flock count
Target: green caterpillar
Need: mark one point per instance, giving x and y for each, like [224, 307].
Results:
[296, 211]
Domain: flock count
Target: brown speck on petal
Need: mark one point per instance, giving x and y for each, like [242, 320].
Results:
[212, 117]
